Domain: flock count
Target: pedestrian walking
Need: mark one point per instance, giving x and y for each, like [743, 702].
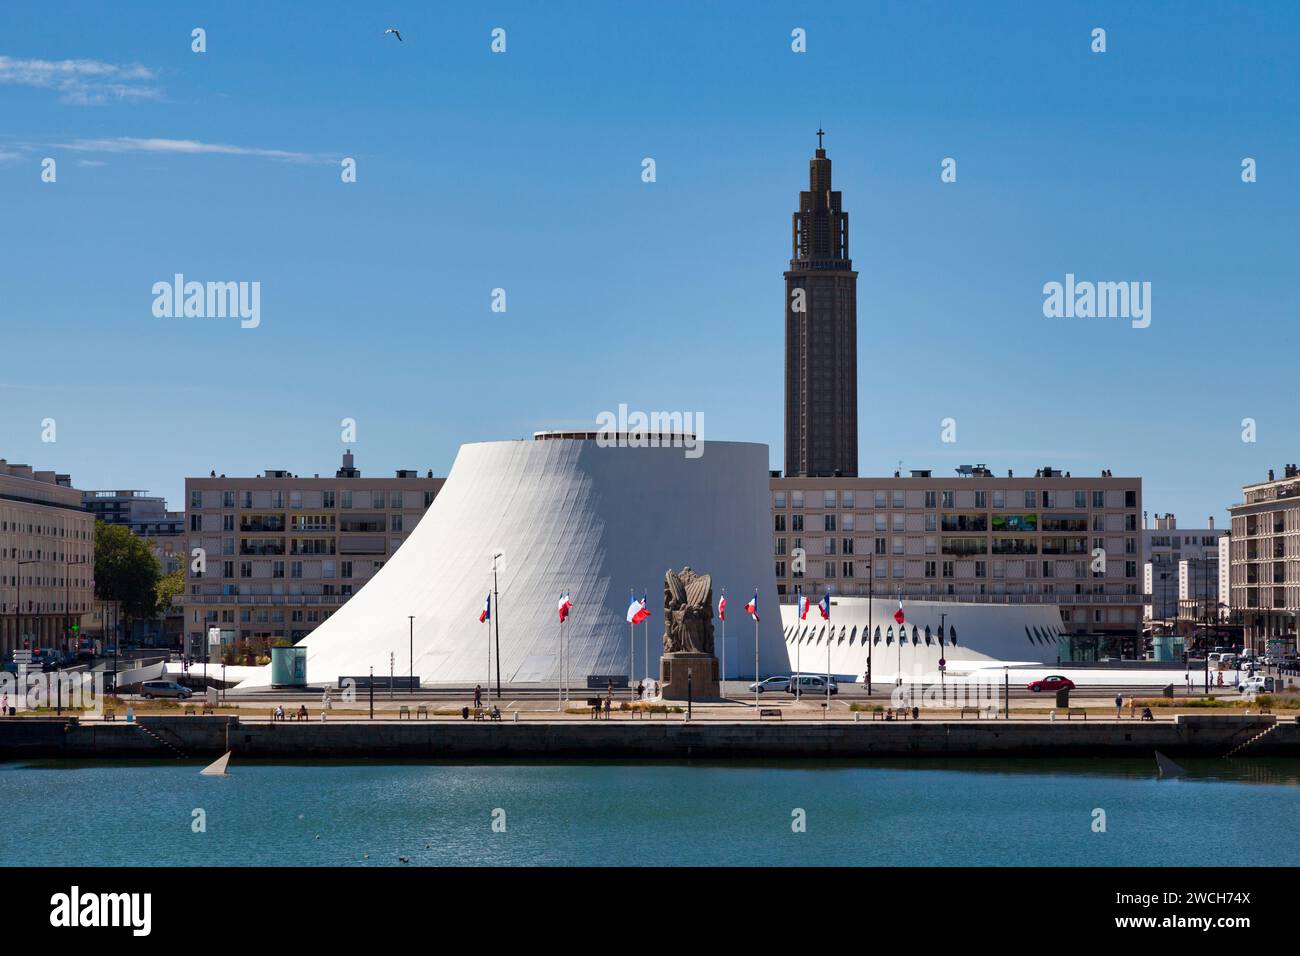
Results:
[1119, 706]
[478, 696]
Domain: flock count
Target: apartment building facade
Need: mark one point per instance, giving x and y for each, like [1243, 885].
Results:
[147, 517]
[1264, 561]
[273, 556]
[47, 558]
[1051, 538]
[1167, 546]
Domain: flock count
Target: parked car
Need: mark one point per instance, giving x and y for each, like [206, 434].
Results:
[770, 684]
[164, 688]
[1054, 682]
[811, 684]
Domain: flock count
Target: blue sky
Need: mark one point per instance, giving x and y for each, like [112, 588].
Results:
[522, 171]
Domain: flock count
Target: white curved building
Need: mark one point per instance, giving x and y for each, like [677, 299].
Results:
[975, 636]
[565, 514]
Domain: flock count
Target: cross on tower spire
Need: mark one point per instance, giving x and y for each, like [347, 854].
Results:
[820, 133]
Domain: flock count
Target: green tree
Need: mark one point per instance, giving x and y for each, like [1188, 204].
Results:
[125, 571]
[168, 587]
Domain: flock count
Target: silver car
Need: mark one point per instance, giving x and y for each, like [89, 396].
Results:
[164, 688]
[771, 683]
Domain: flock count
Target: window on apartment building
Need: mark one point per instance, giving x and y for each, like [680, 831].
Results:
[1049, 499]
[829, 568]
[245, 569]
[377, 500]
[227, 569]
[947, 499]
[931, 546]
[828, 545]
[327, 569]
[277, 569]
[897, 545]
[846, 522]
[1130, 499]
[780, 545]
[796, 499]
[1098, 522]
[828, 522]
[327, 499]
[880, 499]
[981, 499]
[981, 569]
[345, 569]
[881, 522]
[196, 522]
[900, 523]
[796, 522]
[1130, 569]
[846, 499]
[396, 499]
[999, 499]
[347, 499]
[780, 569]
[1049, 569]
[227, 545]
[1130, 522]
[778, 523]
[930, 569]
[1099, 499]
[947, 569]
[227, 499]
[1081, 499]
[846, 568]
[828, 499]
[931, 522]
[881, 546]
[930, 499]
[1030, 500]
[196, 499]
[846, 545]
[227, 523]
[295, 569]
[395, 523]
[295, 499]
[1130, 545]
[778, 499]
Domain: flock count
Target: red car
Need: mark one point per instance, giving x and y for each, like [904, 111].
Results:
[1054, 682]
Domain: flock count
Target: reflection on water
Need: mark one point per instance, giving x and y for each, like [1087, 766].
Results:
[913, 813]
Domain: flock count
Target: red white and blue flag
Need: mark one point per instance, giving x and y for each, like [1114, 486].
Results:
[803, 607]
[752, 606]
[824, 605]
[722, 607]
[565, 605]
[486, 613]
[636, 611]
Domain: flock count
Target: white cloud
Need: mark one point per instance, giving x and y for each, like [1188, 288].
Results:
[133, 144]
[83, 82]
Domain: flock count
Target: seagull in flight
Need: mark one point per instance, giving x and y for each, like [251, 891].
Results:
[394, 32]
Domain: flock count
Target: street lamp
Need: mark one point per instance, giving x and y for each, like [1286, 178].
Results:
[871, 586]
[411, 619]
[943, 688]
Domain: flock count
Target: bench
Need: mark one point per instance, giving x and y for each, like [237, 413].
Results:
[769, 712]
[110, 714]
[207, 709]
[403, 711]
[422, 712]
[1069, 714]
[972, 710]
[189, 710]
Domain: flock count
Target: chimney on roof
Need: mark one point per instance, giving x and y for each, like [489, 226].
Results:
[1211, 522]
[1270, 474]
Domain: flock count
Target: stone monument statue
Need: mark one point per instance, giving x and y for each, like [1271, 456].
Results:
[688, 637]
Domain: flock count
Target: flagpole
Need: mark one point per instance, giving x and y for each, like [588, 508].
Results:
[756, 690]
[559, 680]
[829, 635]
[798, 653]
[724, 643]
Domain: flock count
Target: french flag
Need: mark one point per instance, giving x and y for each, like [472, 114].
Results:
[486, 613]
[752, 606]
[722, 607]
[824, 605]
[565, 605]
[803, 607]
[636, 611]
[898, 615]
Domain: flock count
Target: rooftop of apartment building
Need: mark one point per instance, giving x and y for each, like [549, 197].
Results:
[963, 472]
[347, 470]
[1273, 488]
[23, 483]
